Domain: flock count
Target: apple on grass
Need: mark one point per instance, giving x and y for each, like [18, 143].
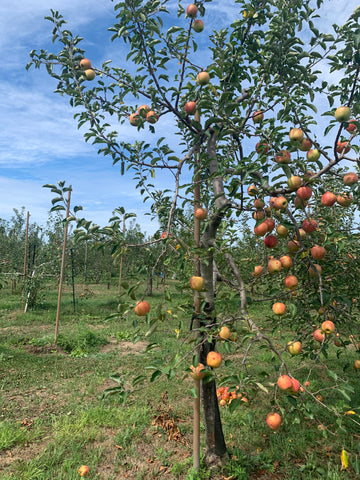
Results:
[214, 359]
[273, 421]
[83, 470]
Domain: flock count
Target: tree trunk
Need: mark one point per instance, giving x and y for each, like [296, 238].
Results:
[214, 437]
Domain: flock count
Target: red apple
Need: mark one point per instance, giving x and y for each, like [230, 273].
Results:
[304, 193]
[259, 204]
[83, 470]
[283, 157]
[318, 252]
[135, 119]
[280, 203]
[351, 128]
[190, 108]
[203, 78]
[214, 359]
[200, 213]
[286, 262]
[262, 148]
[313, 155]
[274, 265]
[350, 178]
[85, 64]
[343, 147]
[270, 222]
[291, 282]
[152, 117]
[305, 145]
[328, 199]
[257, 271]
[328, 327]
[342, 114]
[261, 229]
[258, 116]
[143, 110]
[344, 200]
[318, 335]
[309, 225]
[192, 11]
[284, 382]
[279, 308]
[295, 385]
[273, 421]
[197, 283]
[270, 241]
[142, 308]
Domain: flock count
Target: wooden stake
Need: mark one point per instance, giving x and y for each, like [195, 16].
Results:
[196, 406]
[26, 248]
[62, 268]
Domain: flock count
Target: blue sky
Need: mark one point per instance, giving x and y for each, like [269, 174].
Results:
[39, 141]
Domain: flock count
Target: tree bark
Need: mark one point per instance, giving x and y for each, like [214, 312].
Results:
[214, 438]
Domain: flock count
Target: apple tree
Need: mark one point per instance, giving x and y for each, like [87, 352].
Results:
[255, 117]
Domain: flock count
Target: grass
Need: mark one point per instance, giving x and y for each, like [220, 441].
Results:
[54, 417]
